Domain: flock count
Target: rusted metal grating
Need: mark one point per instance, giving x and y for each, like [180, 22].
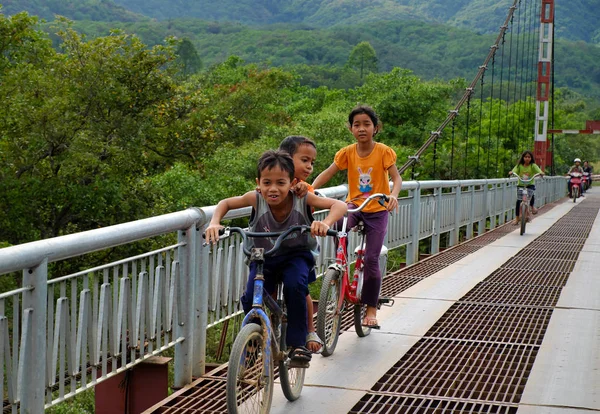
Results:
[507, 294]
[547, 265]
[447, 258]
[493, 323]
[554, 243]
[528, 277]
[466, 370]
[208, 396]
[548, 254]
[394, 404]
[420, 270]
[466, 248]
[393, 286]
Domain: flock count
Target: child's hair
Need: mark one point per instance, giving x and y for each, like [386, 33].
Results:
[291, 143]
[276, 158]
[522, 159]
[365, 109]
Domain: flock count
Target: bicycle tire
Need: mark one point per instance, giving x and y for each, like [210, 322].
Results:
[329, 320]
[523, 217]
[292, 379]
[575, 193]
[359, 314]
[247, 383]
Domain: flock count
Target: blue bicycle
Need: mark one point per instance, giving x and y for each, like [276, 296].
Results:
[261, 341]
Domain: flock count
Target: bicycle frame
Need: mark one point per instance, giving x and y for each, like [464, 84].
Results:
[341, 260]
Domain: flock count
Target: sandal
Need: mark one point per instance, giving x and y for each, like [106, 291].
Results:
[370, 322]
[313, 337]
[300, 354]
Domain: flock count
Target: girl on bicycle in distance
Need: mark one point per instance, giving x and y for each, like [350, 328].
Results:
[370, 166]
[304, 153]
[526, 168]
[275, 208]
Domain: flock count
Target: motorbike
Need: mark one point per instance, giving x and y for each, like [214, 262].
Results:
[576, 181]
[586, 180]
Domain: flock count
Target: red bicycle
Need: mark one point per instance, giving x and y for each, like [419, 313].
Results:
[338, 290]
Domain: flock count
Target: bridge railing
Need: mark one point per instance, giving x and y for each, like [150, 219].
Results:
[62, 334]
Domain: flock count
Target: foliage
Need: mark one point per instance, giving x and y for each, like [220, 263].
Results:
[99, 10]
[363, 58]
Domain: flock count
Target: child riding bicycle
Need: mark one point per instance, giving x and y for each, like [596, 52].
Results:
[370, 165]
[525, 169]
[275, 208]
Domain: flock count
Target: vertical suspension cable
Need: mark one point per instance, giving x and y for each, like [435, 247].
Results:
[452, 151]
[477, 171]
[532, 68]
[515, 98]
[489, 145]
[470, 91]
[552, 169]
[504, 160]
[500, 104]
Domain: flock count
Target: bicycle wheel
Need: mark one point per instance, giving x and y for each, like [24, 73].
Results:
[359, 314]
[523, 217]
[575, 193]
[329, 319]
[249, 387]
[292, 379]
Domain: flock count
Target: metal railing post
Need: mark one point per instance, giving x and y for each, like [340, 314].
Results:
[32, 358]
[412, 249]
[454, 233]
[484, 210]
[435, 237]
[201, 308]
[471, 212]
[184, 350]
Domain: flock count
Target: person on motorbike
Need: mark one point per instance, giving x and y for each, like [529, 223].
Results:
[588, 169]
[574, 168]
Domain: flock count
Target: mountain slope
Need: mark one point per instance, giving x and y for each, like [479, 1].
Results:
[98, 10]
[576, 19]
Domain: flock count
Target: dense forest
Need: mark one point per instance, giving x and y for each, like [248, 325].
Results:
[104, 130]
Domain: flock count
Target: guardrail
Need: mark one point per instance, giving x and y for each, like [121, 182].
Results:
[62, 334]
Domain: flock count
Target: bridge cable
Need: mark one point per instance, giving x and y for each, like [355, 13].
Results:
[467, 131]
[477, 171]
[516, 100]
[435, 134]
[489, 145]
[452, 151]
[500, 104]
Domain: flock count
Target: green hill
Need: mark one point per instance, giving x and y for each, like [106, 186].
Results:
[97, 10]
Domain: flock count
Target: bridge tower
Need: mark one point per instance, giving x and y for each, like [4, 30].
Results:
[542, 152]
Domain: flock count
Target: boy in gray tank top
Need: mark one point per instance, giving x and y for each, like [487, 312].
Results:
[275, 208]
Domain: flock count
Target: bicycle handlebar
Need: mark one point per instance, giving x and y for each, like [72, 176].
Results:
[526, 181]
[281, 235]
[380, 196]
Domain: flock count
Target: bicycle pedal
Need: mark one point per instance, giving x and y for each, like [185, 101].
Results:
[385, 302]
[297, 364]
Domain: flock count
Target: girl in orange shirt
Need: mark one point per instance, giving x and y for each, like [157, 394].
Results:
[370, 167]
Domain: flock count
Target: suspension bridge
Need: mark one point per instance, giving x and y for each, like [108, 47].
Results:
[486, 322]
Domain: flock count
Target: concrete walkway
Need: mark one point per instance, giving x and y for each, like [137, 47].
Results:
[566, 373]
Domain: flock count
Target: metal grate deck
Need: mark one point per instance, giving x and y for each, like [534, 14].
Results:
[477, 357]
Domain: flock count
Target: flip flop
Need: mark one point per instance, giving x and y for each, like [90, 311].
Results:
[300, 354]
[313, 337]
[370, 322]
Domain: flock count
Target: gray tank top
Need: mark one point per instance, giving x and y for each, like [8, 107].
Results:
[262, 220]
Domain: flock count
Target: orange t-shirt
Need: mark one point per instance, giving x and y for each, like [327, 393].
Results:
[366, 175]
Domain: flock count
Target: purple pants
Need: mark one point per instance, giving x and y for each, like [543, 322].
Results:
[375, 230]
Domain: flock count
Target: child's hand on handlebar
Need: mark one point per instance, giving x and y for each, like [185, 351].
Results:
[211, 234]
[318, 228]
[392, 203]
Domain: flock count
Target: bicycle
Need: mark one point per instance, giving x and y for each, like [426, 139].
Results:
[525, 207]
[337, 290]
[250, 375]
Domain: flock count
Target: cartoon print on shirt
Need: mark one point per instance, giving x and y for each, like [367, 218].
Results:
[364, 181]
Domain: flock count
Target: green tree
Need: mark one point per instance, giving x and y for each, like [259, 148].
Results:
[363, 58]
[188, 57]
